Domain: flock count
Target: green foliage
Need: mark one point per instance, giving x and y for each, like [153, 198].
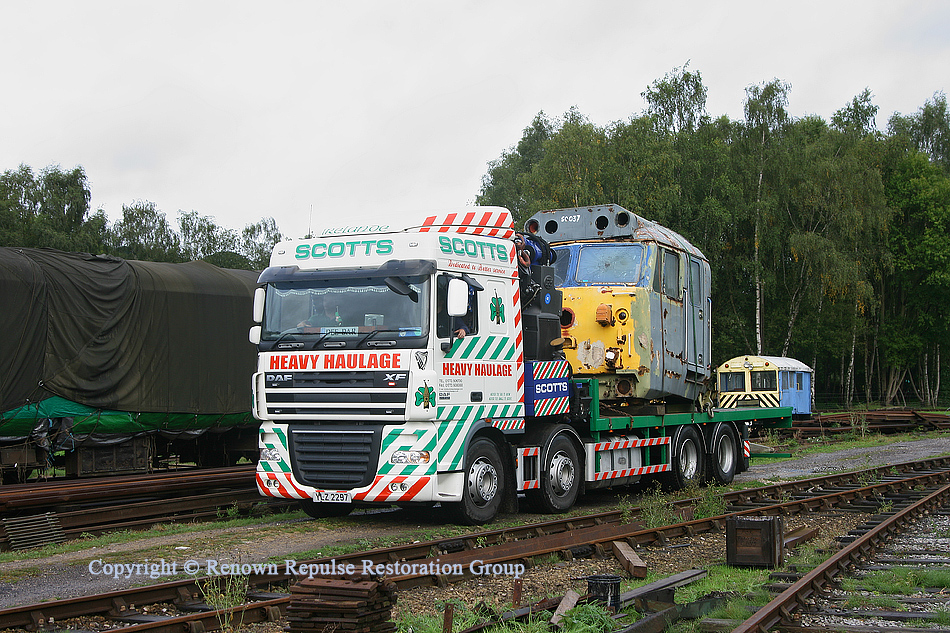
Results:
[590, 617]
[656, 509]
[51, 210]
[223, 593]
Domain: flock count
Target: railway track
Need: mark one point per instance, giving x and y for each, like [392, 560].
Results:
[888, 421]
[421, 564]
[36, 514]
[888, 542]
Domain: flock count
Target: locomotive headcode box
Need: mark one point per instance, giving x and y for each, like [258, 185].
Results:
[754, 541]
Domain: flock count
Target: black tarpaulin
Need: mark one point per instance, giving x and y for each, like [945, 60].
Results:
[124, 335]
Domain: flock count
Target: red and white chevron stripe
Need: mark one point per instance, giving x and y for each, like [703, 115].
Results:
[552, 406]
[551, 369]
[380, 490]
[519, 341]
[631, 472]
[609, 446]
[509, 424]
[746, 449]
[531, 451]
[491, 223]
[285, 486]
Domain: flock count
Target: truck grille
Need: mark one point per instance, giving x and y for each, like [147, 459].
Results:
[335, 396]
[336, 458]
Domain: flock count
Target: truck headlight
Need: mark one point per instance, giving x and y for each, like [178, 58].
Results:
[270, 455]
[409, 457]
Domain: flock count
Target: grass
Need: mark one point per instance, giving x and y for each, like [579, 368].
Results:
[899, 581]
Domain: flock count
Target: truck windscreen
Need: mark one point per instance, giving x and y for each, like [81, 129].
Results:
[347, 309]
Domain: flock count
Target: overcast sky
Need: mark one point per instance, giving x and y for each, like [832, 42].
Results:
[365, 109]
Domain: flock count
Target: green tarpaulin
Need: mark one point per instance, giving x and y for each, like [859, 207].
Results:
[144, 345]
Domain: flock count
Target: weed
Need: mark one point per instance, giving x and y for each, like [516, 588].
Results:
[872, 602]
[656, 510]
[627, 508]
[223, 594]
[885, 507]
[711, 503]
[590, 617]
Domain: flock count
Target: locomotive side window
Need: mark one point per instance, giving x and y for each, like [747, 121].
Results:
[763, 381]
[671, 275]
[695, 283]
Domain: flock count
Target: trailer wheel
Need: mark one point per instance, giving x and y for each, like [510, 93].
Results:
[324, 510]
[687, 463]
[560, 478]
[481, 497]
[724, 453]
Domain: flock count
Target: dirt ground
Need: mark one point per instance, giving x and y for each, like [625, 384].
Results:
[78, 573]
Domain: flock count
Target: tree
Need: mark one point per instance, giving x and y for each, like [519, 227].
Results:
[678, 101]
[257, 242]
[857, 117]
[765, 119]
[144, 233]
[503, 185]
[51, 210]
[569, 171]
[928, 129]
[201, 237]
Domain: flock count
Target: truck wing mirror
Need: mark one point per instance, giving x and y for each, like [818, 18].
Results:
[456, 303]
[258, 305]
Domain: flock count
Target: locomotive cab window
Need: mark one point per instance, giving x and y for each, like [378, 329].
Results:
[764, 381]
[734, 381]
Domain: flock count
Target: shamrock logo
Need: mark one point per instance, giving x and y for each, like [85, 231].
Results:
[497, 310]
[425, 396]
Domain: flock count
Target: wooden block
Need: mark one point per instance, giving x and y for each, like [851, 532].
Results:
[629, 559]
[568, 602]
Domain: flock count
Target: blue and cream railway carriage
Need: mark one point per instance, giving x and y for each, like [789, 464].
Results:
[765, 381]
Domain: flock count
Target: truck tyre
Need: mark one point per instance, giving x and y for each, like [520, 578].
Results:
[724, 454]
[324, 510]
[481, 497]
[560, 478]
[687, 461]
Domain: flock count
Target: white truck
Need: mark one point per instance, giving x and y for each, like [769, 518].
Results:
[433, 363]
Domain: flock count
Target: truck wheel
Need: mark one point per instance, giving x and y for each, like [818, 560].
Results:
[687, 462]
[481, 497]
[724, 452]
[324, 510]
[560, 478]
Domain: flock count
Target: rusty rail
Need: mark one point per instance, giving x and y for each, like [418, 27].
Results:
[783, 606]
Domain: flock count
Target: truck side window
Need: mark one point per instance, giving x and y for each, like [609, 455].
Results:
[446, 325]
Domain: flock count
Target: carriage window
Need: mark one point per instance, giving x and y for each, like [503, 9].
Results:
[732, 381]
[763, 381]
[798, 377]
[785, 381]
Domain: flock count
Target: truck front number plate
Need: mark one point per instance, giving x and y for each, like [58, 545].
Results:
[331, 497]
